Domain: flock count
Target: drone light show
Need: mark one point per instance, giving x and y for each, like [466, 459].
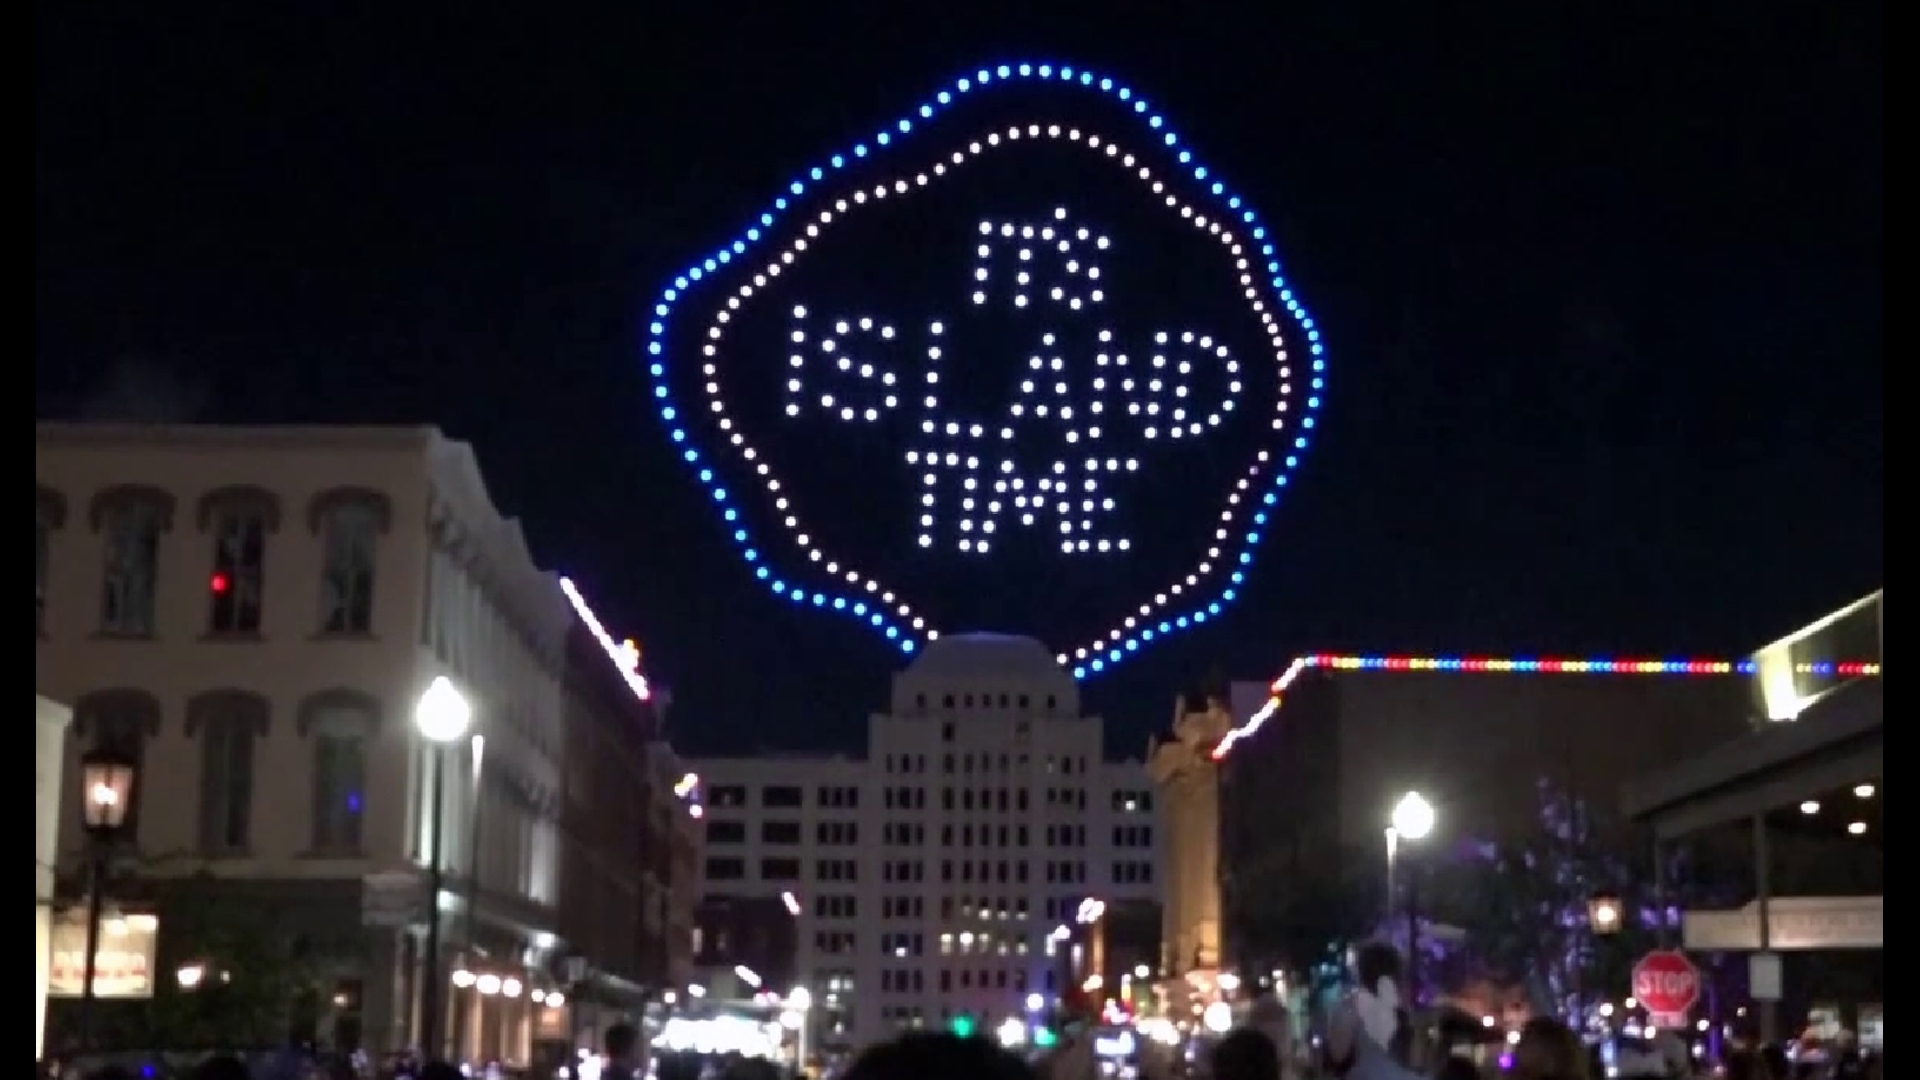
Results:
[1017, 361]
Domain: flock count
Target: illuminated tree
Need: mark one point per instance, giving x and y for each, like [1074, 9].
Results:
[1523, 903]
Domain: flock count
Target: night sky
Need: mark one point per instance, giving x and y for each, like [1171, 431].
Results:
[1602, 297]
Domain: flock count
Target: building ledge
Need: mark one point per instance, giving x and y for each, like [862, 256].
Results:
[1834, 742]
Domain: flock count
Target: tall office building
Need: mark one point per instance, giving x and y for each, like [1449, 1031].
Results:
[928, 875]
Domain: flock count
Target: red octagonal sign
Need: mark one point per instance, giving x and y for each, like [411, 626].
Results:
[1666, 982]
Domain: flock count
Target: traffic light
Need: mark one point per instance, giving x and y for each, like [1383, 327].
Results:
[964, 1026]
[1044, 1038]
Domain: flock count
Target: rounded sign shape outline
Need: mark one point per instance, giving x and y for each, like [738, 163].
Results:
[1666, 982]
[882, 610]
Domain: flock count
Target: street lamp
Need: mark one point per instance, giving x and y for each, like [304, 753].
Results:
[441, 716]
[1413, 820]
[106, 794]
[1603, 913]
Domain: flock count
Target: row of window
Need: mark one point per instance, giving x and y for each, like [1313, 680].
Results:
[965, 871]
[238, 522]
[991, 799]
[785, 833]
[987, 701]
[338, 724]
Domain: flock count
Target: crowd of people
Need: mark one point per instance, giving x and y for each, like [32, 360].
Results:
[1369, 1037]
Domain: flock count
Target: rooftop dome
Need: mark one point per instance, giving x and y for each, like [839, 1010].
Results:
[983, 656]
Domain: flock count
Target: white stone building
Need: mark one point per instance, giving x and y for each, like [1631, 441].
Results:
[930, 874]
[253, 612]
[50, 719]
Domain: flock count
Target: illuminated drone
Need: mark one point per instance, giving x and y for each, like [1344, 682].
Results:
[1056, 448]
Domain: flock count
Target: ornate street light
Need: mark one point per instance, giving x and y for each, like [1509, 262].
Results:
[106, 795]
[441, 716]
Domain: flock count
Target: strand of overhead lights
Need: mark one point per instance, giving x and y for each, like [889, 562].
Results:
[1277, 690]
[891, 616]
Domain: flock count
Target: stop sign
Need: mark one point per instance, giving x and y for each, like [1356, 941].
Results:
[1666, 982]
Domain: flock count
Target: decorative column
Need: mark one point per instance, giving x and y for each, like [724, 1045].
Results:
[1189, 789]
[50, 758]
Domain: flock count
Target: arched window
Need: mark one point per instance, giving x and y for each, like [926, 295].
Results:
[122, 720]
[240, 518]
[132, 516]
[49, 513]
[228, 723]
[340, 724]
[349, 522]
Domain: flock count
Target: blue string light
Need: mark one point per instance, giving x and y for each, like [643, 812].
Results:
[908, 638]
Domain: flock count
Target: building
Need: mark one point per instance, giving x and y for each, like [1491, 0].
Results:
[253, 613]
[743, 944]
[930, 874]
[626, 832]
[1318, 758]
[50, 719]
[672, 882]
[1799, 794]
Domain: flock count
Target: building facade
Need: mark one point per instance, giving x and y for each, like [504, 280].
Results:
[50, 719]
[252, 614]
[930, 875]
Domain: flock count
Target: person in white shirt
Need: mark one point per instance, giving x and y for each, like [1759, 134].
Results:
[1364, 1025]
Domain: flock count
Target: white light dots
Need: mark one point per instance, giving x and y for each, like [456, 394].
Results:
[840, 377]
[1055, 454]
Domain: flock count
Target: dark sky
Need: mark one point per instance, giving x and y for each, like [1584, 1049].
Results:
[1602, 294]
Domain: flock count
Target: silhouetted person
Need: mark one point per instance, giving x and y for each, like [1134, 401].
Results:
[622, 1046]
[1748, 1065]
[1548, 1050]
[938, 1056]
[222, 1067]
[439, 1070]
[1245, 1054]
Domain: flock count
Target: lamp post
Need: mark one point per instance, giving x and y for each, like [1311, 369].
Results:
[1393, 855]
[1413, 820]
[441, 717]
[106, 792]
[1603, 920]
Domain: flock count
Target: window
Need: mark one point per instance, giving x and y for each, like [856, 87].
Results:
[781, 797]
[227, 723]
[779, 832]
[340, 726]
[726, 869]
[133, 522]
[726, 832]
[349, 536]
[836, 833]
[779, 869]
[49, 513]
[239, 571]
[726, 795]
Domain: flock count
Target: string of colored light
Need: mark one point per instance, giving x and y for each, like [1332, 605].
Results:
[1277, 691]
[625, 657]
[881, 609]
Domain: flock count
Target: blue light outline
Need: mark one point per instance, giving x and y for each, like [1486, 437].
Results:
[905, 639]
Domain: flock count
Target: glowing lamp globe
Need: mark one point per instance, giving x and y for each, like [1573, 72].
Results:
[106, 790]
[1413, 817]
[442, 714]
[1603, 914]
